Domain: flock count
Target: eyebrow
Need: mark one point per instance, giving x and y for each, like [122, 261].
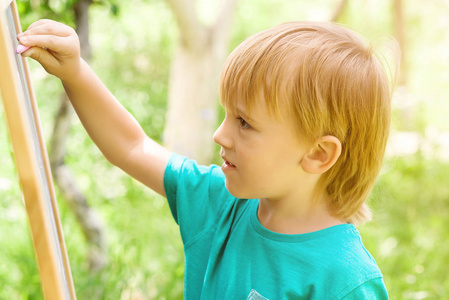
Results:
[245, 116]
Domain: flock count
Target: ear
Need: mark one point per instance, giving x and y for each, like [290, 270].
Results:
[322, 156]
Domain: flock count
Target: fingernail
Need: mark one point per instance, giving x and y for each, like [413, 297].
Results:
[23, 39]
[20, 34]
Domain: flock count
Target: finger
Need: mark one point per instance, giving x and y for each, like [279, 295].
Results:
[41, 55]
[52, 42]
[48, 28]
[43, 22]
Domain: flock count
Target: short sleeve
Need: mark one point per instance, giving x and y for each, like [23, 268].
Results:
[373, 289]
[196, 195]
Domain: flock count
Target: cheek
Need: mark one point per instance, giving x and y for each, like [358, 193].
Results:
[257, 160]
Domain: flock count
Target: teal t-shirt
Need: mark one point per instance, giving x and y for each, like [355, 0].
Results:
[230, 255]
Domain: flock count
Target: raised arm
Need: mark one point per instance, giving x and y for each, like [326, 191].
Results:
[113, 129]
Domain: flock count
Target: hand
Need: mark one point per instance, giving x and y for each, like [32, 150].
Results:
[55, 46]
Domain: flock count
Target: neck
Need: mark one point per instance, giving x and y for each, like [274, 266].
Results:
[295, 217]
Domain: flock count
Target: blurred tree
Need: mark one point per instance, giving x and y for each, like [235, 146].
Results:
[86, 216]
[202, 50]
[74, 12]
[399, 32]
[406, 113]
[195, 70]
[339, 10]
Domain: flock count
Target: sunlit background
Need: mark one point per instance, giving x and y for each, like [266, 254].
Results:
[133, 43]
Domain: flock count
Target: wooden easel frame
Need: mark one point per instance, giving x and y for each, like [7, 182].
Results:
[32, 161]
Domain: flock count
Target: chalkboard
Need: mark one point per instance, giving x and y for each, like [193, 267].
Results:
[31, 160]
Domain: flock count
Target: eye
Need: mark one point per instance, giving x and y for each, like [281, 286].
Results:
[243, 123]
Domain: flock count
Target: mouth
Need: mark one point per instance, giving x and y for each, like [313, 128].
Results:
[227, 163]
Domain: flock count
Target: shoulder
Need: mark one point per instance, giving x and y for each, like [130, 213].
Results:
[182, 172]
[354, 268]
[181, 164]
[350, 255]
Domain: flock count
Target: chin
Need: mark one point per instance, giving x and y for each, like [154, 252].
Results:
[238, 192]
[234, 191]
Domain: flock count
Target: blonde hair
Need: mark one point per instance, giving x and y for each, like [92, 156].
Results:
[332, 83]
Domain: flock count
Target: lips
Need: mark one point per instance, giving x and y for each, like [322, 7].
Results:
[228, 166]
[227, 163]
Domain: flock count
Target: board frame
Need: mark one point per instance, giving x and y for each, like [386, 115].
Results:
[32, 163]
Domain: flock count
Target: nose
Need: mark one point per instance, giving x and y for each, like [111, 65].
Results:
[222, 136]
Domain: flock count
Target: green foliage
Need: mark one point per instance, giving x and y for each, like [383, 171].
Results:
[145, 254]
[31, 11]
[409, 234]
[131, 53]
[144, 50]
[61, 10]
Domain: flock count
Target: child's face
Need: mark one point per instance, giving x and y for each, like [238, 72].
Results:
[261, 154]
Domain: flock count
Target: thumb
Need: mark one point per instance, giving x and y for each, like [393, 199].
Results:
[44, 57]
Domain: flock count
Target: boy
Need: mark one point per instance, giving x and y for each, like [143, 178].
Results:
[307, 119]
